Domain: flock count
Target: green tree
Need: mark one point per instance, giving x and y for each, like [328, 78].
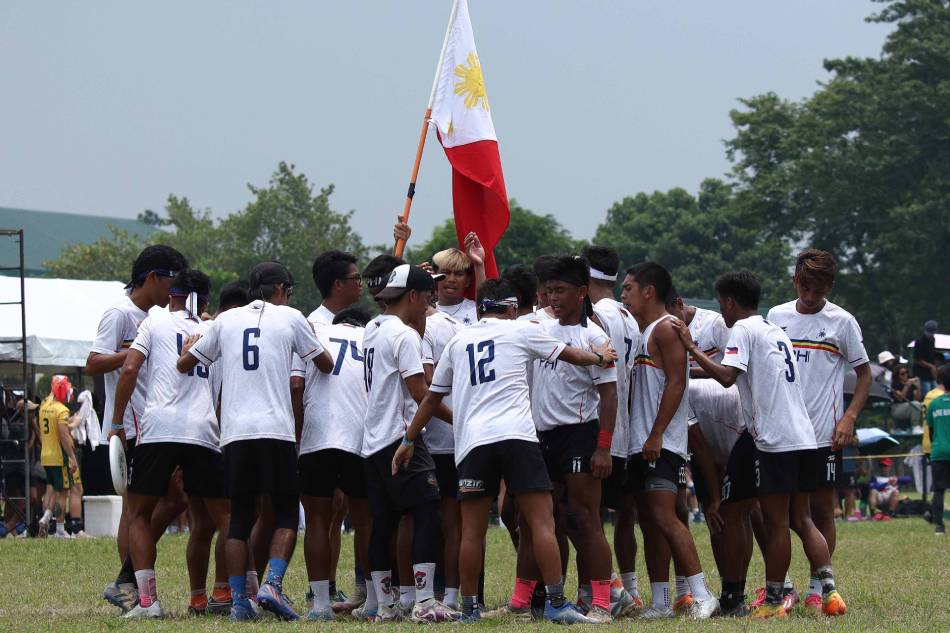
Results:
[106, 259]
[862, 169]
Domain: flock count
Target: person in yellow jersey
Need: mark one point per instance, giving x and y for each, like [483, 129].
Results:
[57, 454]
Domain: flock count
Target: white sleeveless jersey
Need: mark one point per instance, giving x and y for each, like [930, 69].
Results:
[440, 328]
[769, 389]
[710, 334]
[826, 345]
[717, 412]
[254, 345]
[178, 407]
[646, 392]
[335, 403]
[624, 335]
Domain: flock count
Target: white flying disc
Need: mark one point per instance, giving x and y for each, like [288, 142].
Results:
[117, 465]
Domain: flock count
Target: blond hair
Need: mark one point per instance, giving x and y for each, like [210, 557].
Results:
[817, 265]
[452, 259]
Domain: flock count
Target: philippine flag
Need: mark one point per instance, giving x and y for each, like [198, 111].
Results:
[732, 350]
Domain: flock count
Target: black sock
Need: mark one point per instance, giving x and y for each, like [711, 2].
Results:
[538, 596]
[774, 592]
[332, 587]
[127, 573]
[469, 605]
[733, 594]
[556, 595]
[481, 585]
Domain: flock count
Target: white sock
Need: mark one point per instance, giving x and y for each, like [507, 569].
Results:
[682, 587]
[661, 594]
[697, 586]
[382, 583]
[629, 580]
[60, 529]
[424, 573]
[321, 594]
[371, 601]
[251, 583]
[788, 582]
[451, 596]
[814, 586]
[407, 595]
[46, 516]
[148, 593]
[585, 594]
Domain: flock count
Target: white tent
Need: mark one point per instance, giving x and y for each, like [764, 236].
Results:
[62, 317]
[941, 342]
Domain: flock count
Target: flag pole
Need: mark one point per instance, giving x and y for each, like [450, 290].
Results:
[401, 244]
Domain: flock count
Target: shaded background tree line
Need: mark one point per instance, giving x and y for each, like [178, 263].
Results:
[861, 168]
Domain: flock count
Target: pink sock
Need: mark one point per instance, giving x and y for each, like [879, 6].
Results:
[601, 590]
[521, 598]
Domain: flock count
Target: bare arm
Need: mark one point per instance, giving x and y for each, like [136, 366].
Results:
[98, 364]
[476, 253]
[724, 375]
[297, 385]
[427, 409]
[324, 362]
[673, 358]
[844, 428]
[603, 355]
[187, 361]
[600, 462]
[418, 389]
[124, 389]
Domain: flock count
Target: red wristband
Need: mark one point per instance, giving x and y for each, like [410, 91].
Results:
[604, 439]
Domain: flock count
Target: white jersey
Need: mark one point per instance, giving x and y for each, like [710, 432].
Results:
[718, 414]
[539, 315]
[321, 316]
[484, 367]
[770, 393]
[646, 391]
[335, 403]
[710, 334]
[440, 328]
[826, 344]
[561, 393]
[465, 312]
[178, 407]
[624, 335]
[117, 329]
[392, 351]
[255, 344]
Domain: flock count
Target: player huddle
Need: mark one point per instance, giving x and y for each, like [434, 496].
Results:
[544, 395]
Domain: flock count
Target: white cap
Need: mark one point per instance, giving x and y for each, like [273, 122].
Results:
[885, 356]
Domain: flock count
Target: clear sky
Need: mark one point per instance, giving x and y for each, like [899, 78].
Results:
[107, 107]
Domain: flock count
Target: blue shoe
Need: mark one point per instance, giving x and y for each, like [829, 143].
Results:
[272, 599]
[567, 613]
[242, 611]
[324, 615]
[476, 616]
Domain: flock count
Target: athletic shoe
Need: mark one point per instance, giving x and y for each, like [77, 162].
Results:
[323, 615]
[42, 530]
[703, 609]
[353, 602]
[387, 614]
[653, 612]
[432, 610]
[766, 610]
[682, 605]
[337, 596]
[582, 606]
[567, 613]
[813, 604]
[218, 607]
[363, 614]
[199, 610]
[759, 598]
[124, 596]
[506, 611]
[243, 610]
[475, 617]
[738, 611]
[272, 599]
[308, 599]
[153, 611]
[790, 599]
[622, 604]
[599, 615]
[62, 535]
[834, 604]
[403, 610]
[82, 534]
[940, 530]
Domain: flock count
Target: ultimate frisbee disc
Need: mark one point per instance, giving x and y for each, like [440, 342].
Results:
[117, 465]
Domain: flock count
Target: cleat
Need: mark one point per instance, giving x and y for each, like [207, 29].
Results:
[347, 605]
[582, 606]
[506, 611]
[940, 530]
[834, 604]
[324, 615]
[766, 610]
[682, 604]
[386, 614]
[308, 599]
[138, 612]
[476, 616]
[218, 607]
[599, 615]
[124, 596]
[363, 614]
[759, 598]
[738, 611]
[622, 604]
[703, 609]
[198, 610]
[271, 598]
[813, 604]
[338, 596]
[243, 610]
[655, 613]
[42, 530]
[790, 599]
[567, 613]
[432, 610]
[404, 611]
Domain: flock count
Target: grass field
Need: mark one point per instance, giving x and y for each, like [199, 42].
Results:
[894, 577]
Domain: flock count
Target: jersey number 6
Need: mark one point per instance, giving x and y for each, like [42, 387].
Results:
[252, 353]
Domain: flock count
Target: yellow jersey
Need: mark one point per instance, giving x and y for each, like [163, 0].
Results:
[52, 414]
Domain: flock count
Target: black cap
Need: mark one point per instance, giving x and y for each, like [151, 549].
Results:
[407, 277]
[269, 274]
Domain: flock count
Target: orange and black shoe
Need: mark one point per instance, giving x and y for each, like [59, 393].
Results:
[767, 610]
[198, 606]
[833, 604]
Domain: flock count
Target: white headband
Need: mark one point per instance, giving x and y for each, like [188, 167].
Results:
[596, 274]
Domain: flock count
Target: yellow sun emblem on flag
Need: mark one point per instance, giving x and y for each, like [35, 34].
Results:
[472, 84]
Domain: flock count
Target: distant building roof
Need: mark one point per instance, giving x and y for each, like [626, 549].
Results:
[47, 232]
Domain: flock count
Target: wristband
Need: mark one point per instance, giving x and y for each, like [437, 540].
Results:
[604, 439]
[117, 427]
[407, 442]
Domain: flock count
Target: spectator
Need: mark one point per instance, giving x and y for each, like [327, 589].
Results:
[884, 493]
[906, 410]
[938, 422]
[848, 485]
[925, 357]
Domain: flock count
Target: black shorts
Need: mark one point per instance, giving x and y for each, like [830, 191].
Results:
[669, 467]
[324, 471]
[702, 487]
[202, 469]
[940, 470]
[830, 468]
[447, 476]
[518, 462]
[612, 488]
[738, 482]
[785, 473]
[261, 467]
[409, 488]
[567, 449]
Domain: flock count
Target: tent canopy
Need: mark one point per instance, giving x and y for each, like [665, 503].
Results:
[62, 317]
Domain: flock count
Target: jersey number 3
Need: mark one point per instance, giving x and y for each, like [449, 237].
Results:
[790, 372]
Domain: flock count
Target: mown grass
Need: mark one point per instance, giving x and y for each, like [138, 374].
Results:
[894, 577]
